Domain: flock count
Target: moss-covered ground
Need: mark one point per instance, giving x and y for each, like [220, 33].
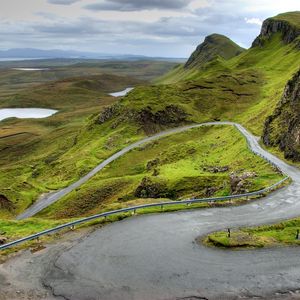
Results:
[41, 155]
[178, 166]
[245, 88]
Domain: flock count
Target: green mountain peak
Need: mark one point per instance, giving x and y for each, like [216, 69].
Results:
[213, 46]
[286, 24]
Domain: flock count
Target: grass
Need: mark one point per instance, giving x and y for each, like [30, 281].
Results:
[291, 17]
[16, 229]
[279, 234]
[45, 147]
[245, 88]
[214, 45]
[177, 166]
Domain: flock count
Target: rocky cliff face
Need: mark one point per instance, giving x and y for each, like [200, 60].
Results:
[213, 46]
[283, 127]
[289, 30]
[171, 115]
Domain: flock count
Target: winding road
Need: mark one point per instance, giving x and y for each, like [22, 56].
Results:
[157, 256]
[50, 198]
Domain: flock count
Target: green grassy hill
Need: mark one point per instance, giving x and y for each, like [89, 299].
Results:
[214, 46]
[244, 88]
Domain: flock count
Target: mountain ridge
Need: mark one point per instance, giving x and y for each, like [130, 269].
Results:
[34, 53]
[286, 24]
[214, 45]
[282, 128]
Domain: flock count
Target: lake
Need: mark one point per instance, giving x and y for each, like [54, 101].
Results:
[26, 113]
[122, 93]
[30, 69]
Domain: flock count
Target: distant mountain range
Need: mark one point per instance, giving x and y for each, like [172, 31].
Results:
[31, 53]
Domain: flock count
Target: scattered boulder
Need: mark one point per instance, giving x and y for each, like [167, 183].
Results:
[3, 240]
[5, 203]
[210, 191]
[152, 164]
[239, 183]
[149, 189]
[216, 169]
[155, 172]
[108, 113]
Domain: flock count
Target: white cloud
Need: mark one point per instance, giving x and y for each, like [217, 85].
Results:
[151, 27]
[255, 21]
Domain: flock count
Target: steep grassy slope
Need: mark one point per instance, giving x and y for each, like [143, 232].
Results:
[202, 162]
[40, 155]
[214, 46]
[290, 17]
[282, 128]
[245, 88]
[272, 61]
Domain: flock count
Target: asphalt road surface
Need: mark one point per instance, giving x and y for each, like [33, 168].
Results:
[158, 257]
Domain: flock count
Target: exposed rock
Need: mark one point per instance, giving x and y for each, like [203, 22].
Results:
[214, 46]
[5, 203]
[170, 115]
[108, 113]
[3, 240]
[210, 191]
[238, 182]
[149, 120]
[274, 25]
[149, 189]
[155, 172]
[282, 128]
[152, 163]
[216, 169]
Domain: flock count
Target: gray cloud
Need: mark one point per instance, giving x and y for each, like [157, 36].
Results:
[175, 35]
[62, 2]
[136, 5]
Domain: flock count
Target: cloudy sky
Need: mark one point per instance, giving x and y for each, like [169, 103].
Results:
[149, 27]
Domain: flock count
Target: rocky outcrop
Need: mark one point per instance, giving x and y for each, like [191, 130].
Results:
[282, 128]
[216, 169]
[213, 46]
[152, 164]
[169, 116]
[3, 240]
[271, 26]
[149, 189]
[108, 113]
[239, 183]
[5, 203]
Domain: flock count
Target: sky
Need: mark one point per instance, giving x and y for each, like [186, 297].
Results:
[169, 28]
